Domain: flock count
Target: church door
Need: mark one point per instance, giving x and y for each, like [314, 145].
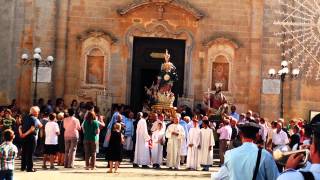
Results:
[147, 60]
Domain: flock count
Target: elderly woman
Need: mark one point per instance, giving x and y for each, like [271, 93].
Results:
[61, 143]
[28, 135]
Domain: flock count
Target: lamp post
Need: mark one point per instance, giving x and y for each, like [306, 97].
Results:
[38, 61]
[282, 75]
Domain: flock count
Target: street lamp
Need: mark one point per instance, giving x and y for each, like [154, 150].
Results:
[282, 74]
[38, 61]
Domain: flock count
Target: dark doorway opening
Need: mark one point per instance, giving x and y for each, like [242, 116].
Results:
[147, 63]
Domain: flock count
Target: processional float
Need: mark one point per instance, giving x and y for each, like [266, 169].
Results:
[160, 96]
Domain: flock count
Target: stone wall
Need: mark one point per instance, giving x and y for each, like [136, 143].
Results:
[12, 20]
[300, 95]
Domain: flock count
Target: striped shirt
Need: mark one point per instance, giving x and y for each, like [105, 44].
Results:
[8, 152]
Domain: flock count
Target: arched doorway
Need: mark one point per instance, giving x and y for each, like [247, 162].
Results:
[146, 64]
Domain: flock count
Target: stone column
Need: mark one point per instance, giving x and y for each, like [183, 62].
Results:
[254, 93]
[61, 47]
[24, 82]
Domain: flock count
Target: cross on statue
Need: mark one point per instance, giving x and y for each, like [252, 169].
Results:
[209, 92]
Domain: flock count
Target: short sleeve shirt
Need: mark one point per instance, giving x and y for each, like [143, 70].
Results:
[28, 122]
[90, 130]
[51, 130]
[8, 123]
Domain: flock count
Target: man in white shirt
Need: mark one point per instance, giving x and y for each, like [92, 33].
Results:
[225, 132]
[279, 138]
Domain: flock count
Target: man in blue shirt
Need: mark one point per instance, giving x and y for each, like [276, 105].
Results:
[28, 134]
[184, 147]
[128, 134]
[240, 163]
[233, 113]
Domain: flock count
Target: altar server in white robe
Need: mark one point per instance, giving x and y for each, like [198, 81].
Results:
[158, 139]
[142, 153]
[193, 146]
[175, 133]
[206, 144]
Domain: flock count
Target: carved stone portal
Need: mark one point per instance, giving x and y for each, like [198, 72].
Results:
[162, 29]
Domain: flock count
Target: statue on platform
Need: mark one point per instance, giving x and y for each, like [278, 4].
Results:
[160, 94]
[216, 102]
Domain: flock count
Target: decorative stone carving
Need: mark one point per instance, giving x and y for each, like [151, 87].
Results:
[221, 39]
[97, 33]
[181, 4]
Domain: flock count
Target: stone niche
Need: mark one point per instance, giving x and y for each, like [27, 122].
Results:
[94, 72]
[220, 63]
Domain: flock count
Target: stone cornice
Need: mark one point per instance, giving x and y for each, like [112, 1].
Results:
[221, 39]
[97, 33]
[181, 4]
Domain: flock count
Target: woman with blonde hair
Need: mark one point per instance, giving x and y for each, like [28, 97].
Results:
[115, 148]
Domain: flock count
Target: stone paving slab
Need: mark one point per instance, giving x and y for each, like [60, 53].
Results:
[125, 172]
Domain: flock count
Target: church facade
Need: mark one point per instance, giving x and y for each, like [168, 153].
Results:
[114, 46]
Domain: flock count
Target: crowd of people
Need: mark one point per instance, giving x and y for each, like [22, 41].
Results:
[57, 132]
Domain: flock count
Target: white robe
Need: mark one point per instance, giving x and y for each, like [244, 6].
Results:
[207, 140]
[141, 154]
[155, 126]
[157, 148]
[174, 145]
[194, 139]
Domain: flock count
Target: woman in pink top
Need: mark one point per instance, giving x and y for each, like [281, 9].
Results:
[71, 136]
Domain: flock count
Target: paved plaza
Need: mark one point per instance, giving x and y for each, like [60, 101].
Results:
[125, 172]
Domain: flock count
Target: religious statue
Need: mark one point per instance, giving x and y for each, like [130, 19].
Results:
[216, 101]
[167, 75]
[160, 94]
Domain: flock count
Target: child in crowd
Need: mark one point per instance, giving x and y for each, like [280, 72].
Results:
[115, 148]
[158, 139]
[51, 141]
[8, 152]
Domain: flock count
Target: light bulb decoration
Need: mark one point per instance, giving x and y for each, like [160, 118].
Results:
[300, 24]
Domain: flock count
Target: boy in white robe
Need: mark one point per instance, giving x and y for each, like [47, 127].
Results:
[193, 146]
[158, 139]
[175, 133]
[206, 144]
